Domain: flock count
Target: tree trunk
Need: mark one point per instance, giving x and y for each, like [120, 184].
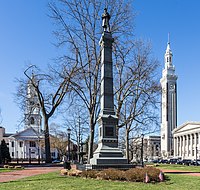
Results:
[127, 145]
[47, 141]
[91, 140]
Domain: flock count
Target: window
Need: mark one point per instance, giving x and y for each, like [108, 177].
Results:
[32, 121]
[53, 154]
[12, 154]
[32, 144]
[12, 143]
[20, 144]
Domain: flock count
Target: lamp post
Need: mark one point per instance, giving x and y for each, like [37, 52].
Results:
[68, 136]
[142, 144]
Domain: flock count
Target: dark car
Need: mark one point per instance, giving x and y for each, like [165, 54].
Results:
[196, 162]
[187, 162]
[173, 161]
[164, 161]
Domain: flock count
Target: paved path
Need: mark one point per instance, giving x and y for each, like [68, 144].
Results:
[18, 174]
[181, 172]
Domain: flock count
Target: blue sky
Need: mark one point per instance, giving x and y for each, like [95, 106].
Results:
[26, 37]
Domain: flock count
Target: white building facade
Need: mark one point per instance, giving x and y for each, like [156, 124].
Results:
[186, 141]
[168, 104]
[28, 143]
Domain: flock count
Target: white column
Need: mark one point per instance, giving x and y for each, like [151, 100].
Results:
[195, 145]
[191, 146]
[175, 142]
[181, 146]
[198, 146]
[183, 155]
[24, 149]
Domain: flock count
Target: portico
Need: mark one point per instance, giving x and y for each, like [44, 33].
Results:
[186, 138]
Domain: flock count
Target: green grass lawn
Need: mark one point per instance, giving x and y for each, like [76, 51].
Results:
[54, 181]
[5, 170]
[179, 167]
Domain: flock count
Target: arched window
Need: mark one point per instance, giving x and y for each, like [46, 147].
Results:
[32, 121]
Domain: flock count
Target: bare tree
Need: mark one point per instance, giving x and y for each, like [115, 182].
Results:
[58, 138]
[79, 29]
[51, 88]
[1, 118]
[137, 90]
[77, 120]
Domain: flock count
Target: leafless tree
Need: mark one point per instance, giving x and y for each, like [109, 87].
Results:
[77, 121]
[51, 88]
[79, 29]
[1, 119]
[137, 89]
[58, 138]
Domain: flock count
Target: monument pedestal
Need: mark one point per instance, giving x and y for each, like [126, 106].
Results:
[108, 155]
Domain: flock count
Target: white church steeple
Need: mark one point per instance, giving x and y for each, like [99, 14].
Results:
[32, 110]
[169, 104]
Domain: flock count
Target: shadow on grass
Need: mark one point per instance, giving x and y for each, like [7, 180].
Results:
[35, 179]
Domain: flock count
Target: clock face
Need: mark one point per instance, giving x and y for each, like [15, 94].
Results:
[171, 87]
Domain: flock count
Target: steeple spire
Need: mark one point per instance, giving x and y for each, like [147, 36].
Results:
[168, 38]
[168, 54]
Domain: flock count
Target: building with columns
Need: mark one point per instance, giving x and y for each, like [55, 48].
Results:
[28, 143]
[169, 104]
[186, 140]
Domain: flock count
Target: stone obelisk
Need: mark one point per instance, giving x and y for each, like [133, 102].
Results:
[107, 153]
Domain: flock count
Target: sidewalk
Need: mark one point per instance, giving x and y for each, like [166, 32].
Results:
[181, 172]
[18, 174]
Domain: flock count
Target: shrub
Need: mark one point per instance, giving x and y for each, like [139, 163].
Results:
[153, 173]
[64, 172]
[135, 175]
[132, 175]
[89, 174]
[111, 174]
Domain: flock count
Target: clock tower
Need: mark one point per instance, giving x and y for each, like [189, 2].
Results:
[168, 104]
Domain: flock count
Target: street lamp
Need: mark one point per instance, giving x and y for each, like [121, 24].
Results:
[142, 138]
[68, 135]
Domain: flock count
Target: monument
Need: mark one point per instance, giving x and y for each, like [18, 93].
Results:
[107, 154]
[169, 104]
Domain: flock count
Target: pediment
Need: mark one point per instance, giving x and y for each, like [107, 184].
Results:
[29, 132]
[187, 127]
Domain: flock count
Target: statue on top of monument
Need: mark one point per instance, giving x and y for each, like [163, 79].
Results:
[105, 21]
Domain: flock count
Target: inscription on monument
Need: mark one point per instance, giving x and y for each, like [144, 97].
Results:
[109, 131]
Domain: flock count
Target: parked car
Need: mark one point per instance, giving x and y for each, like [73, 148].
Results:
[56, 161]
[164, 161]
[173, 161]
[196, 162]
[180, 161]
[187, 162]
